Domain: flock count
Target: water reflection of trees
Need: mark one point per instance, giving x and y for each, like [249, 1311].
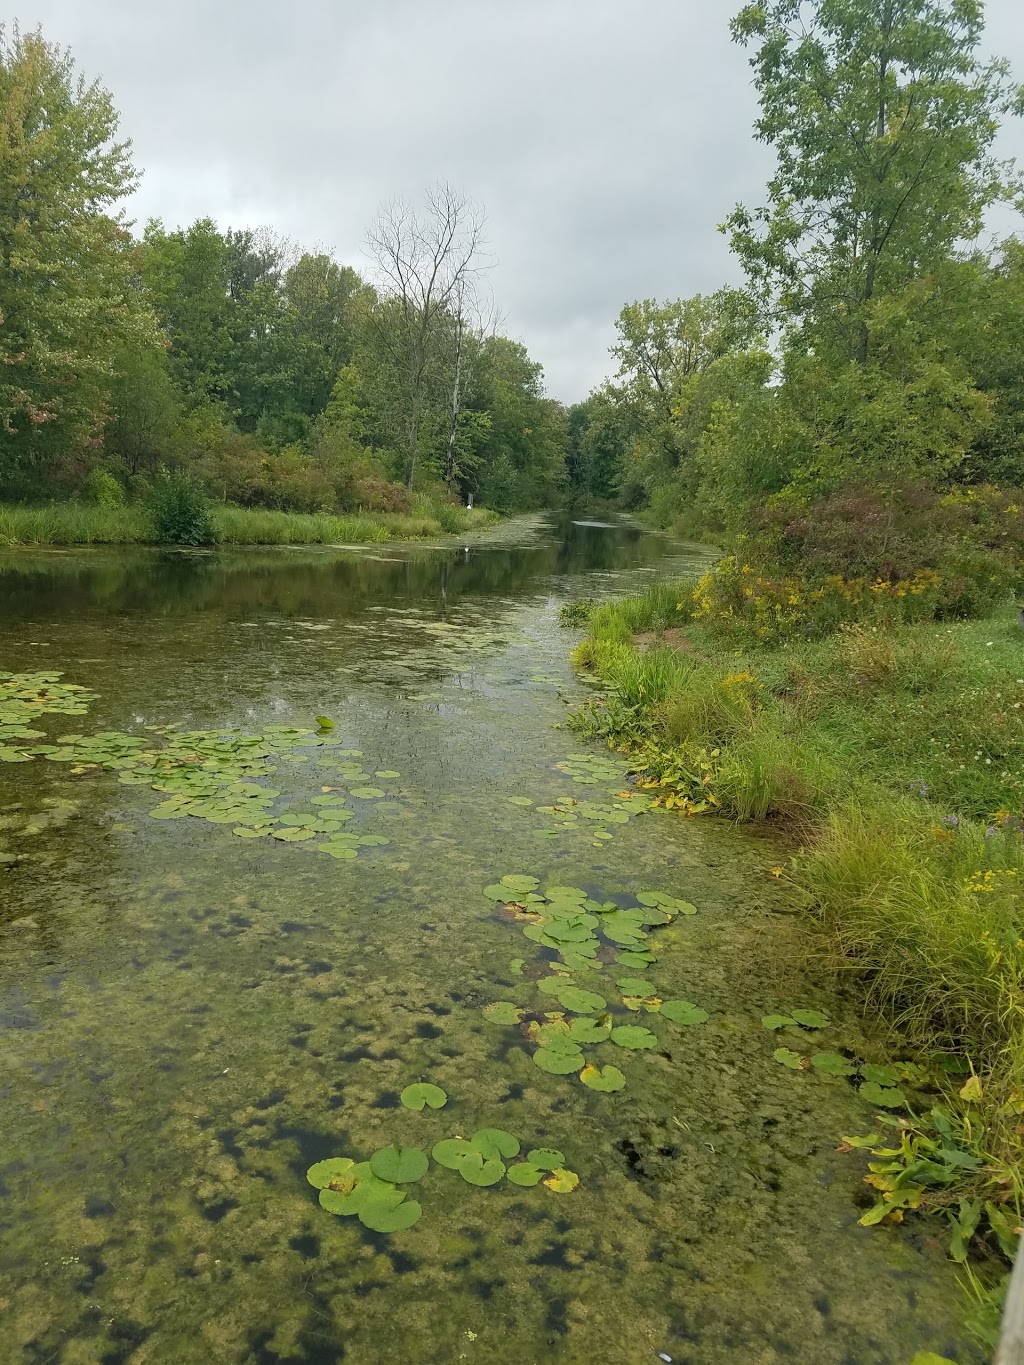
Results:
[306, 583]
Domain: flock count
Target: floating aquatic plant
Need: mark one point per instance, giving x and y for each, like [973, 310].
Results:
[421, 1094]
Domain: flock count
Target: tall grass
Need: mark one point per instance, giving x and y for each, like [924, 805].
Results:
[75, 523]
[896, 758]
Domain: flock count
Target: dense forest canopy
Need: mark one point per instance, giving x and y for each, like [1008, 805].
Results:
[275, 376]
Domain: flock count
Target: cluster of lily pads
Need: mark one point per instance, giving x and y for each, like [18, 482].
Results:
[570, 813]
[212, 775]
[373, 1191]
[879, 1085]
[588, 935]
[24, 697]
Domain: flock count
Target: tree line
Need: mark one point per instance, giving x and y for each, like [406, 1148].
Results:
[274, 376]
[874, 352]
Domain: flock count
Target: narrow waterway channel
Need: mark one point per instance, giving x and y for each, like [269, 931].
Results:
[190, 1019]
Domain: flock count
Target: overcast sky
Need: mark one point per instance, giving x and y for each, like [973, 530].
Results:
[606, 138]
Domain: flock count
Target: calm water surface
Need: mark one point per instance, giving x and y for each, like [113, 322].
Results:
[188, 1019]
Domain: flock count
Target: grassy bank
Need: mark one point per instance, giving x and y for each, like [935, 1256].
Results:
[84, 524]
[890, 758]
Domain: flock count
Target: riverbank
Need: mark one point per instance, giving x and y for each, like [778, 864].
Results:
[891, 762]
[84, 524]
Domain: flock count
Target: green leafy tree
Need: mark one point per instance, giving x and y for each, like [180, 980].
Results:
[68, 295]
[882, 117]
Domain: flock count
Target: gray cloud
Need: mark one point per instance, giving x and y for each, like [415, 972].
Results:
[606, 138]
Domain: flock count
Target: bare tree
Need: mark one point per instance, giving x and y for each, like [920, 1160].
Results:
[428, 262]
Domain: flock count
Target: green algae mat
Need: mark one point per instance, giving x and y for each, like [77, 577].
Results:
[353, 1010]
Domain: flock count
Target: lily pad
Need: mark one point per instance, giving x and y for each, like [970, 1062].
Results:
[558, 1062]
[633, 1037]
[450, 1152]
[880, 1075]
[886, 1097]
[562, 1181]
[399, 1165]
[832, 1064]
[479, 1170]
[577, 1001]
[811, 1019]
[520, 801]
[635, 959]
[387, 772]
[324, 1173]
[682, 1012]
[423, 1093]
[547, 1158]
[368, 793]
[603, 1078]
[789, 1058]
[497, 892]
[587, 1030]
[525, 1174]
[520, 883]
[494, 1142]
[777, 1021]
[635, 986]
[502, 1012]
[379, 1218]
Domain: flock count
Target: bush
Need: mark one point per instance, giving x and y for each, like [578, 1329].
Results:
[102, 489]
[180, 511]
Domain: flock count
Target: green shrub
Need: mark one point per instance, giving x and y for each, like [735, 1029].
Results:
[102, 489]
[180, 511]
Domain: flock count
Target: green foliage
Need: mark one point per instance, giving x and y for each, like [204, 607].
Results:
[180, 511]
[67, 301]
[102, 489]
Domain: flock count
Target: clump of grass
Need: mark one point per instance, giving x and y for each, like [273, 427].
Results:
[73, 523]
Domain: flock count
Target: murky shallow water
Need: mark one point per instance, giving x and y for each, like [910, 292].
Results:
[189, 1019]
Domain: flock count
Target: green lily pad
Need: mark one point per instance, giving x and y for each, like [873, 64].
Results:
[494, 1142]
[399, 1165]
[777, 1021]
[450, 1152]
[603, 1078]
[558, 1062]
[480, 1170]
[379, 1218]
[525, 1174]
[880, 1075]
[552, 985]
[811, 1019]
[324, 722]
[368, 793]
[387, 772]
[520, 801]
[423, 1093]
[832, 1064]
[886, 1097]
[547, 1158]
[682, 1012]
[631, 1036]
[587, 1031]
[496, 892]
[517, 882]
[323, 1173]
[502, 1012]
[635, 986]
[635, 959]
[577, 1001]
[788, 1058]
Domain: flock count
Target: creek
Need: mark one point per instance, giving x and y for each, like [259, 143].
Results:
[190, 1019]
